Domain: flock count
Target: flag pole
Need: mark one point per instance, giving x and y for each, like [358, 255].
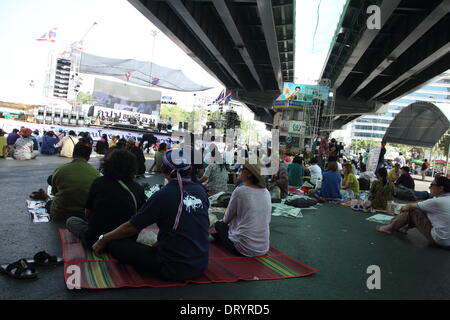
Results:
[154, 33]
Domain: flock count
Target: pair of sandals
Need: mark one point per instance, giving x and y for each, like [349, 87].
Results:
[39, 195]
[24, 268]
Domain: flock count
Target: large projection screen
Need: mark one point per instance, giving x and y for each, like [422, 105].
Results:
[126, 97]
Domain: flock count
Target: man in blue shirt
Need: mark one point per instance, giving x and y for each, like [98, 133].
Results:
[181, 252]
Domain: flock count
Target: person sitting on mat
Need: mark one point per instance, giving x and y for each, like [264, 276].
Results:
[431, 217]
[180, 210]
[296, 172]
[244, 229]
[350, 185]
[113, 199]
[381, 191]
[405, 179]
[330, 190]
[216, 174]
[71, 183]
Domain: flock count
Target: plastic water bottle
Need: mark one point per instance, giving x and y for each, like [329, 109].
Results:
[319, 183]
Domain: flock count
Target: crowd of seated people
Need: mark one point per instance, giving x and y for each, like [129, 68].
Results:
[108, 210]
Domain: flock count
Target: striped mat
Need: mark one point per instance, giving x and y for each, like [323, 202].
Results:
[105, 272]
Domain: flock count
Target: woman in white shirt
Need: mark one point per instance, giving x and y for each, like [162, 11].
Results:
[315, 171]
[245, 226]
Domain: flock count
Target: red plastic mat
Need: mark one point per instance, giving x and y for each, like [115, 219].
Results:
[106, 273]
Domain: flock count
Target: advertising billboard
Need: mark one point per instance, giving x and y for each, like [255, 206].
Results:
[305, 93]
[126, 97]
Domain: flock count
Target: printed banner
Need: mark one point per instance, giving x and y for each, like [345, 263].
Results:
[374, 156]
[104, 113]
[304, 92]
[126, 97]
[96, 133]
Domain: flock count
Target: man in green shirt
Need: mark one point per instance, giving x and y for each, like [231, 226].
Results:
[71, 183]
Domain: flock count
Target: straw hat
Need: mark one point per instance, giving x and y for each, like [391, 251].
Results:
[131, 140]
[255, 169]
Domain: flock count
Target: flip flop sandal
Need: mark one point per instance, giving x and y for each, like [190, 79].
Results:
[42, 259]
[18, 270]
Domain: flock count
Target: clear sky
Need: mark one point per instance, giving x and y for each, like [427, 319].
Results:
[123, 32]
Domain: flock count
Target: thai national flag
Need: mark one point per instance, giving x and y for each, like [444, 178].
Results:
[49, 36]
[221, 97]
[155, 80]
[77, 45]
[228, 97]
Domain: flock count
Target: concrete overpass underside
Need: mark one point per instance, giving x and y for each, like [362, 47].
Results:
[373, 67]
[247, 45]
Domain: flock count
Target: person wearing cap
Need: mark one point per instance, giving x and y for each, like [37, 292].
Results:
[61, 134]
[140, 157]
[23, 148]
[244, 229]
[431, 217]
[180, 210]
[37, 139]
[405, 179]
[3, 144]
[67, 144]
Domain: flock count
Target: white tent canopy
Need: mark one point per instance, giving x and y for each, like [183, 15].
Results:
[144, 73]
[420, 124]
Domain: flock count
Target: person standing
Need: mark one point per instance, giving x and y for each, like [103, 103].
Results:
[150, 139]
[382, 154]
[424, 168]
[140, 158]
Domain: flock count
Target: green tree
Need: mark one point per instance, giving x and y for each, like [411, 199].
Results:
[84, 97]
[357, 145]
[444, 143]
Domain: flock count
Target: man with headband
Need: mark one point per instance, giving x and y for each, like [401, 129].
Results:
[180, 210]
